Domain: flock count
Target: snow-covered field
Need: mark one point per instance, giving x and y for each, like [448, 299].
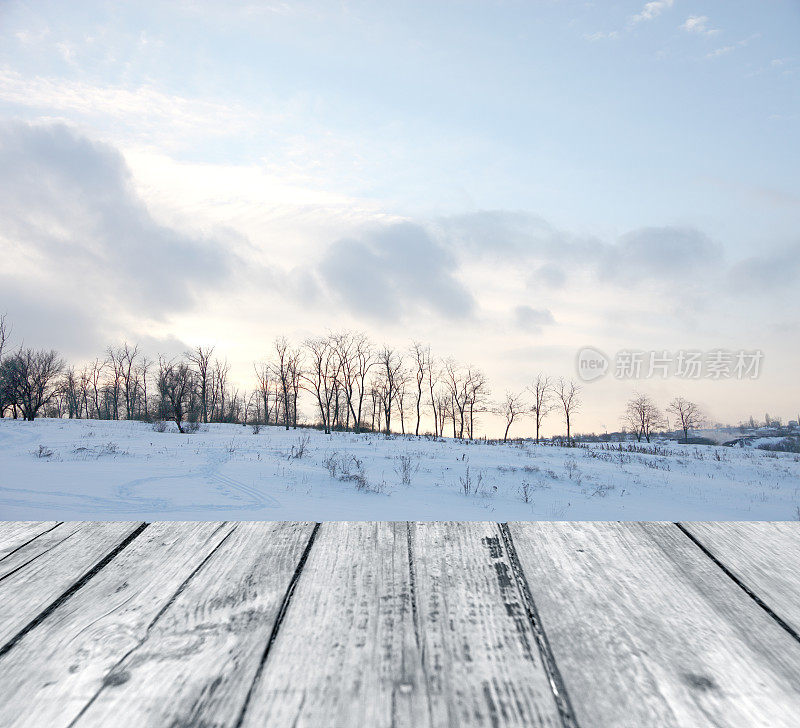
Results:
[59, 469]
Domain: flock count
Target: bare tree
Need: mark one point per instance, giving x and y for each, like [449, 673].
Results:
[32, 379]
[283, 374]
[219, 391]
[70, 390]
[542, 392]
[402, 381]
[264, 378]
[388, 382]
[357, 359]
[6, 399]
[175, 382]
[201, 358]
[320, 378]
[144, 368]
[511, 408]
[477, 395]
[568, 394]
[95, 377]
[5, 334]
[420, 358]
[130, 376]
[114, 383]
[642, 416]
[434, 376]
[688, 413]
[295, 380]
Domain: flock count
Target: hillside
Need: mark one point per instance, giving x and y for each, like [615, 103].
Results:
[103, 470]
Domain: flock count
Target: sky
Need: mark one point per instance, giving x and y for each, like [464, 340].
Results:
[508, 181]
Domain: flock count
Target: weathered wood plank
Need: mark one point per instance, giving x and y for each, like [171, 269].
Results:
[26, 592]
[480, 653]
[345, 654]
[648, 631]
[35, 548]
[54, 671]
[14, 534]
[764, 557]
[198, 660]
[404, 625]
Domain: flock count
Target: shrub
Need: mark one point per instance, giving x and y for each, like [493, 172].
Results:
[43, 452]
[299, 448]
[407, 467]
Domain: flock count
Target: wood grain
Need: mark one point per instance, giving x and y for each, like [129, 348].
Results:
[14, 534]
[346, 653]
[404, 625]
[764, 557]
[198, 660]
[29, 590]
[56, 669]
[648, 631]
[32, 549]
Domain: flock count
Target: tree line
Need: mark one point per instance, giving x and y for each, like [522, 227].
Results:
[352, 384]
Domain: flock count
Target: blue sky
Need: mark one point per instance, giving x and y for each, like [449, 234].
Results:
[509, 180]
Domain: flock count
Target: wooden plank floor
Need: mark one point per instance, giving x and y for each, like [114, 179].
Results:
[563, 625]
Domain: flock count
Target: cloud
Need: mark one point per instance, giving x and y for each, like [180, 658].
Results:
[717, 52]
[549, 275]
[652, 10]
[660, 253]
[392, 271]
[766, 273]
[724, 50]
[698, 24]
[151, 113]
[505, 233]
[73, 224]
[532, 319]
[601, 35]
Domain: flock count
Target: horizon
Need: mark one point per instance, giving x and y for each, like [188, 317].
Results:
[511, 183]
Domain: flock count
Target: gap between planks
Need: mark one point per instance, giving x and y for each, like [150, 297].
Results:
[736, 580]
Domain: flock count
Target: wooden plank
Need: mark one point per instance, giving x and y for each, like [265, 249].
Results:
[26, 592]
[198, 660]
[763, 557]
[648, 631]
[54, 671]
[346, 653]
[480, 653]
[14, 534]
[37, 547]
[404, 625]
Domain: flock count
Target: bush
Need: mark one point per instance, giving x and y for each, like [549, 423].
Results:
[788, 444]
[43, 452]
[407, 467]
[299, 448]
[159, 426]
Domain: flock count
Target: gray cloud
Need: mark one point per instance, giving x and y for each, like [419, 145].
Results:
[532, 319]
[68, 205]
[667, 253]
[774, 269]
[660, 253]
[503, 232]
[549, 275]
[392, 271]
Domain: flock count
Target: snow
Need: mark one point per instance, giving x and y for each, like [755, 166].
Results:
[104, 470]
